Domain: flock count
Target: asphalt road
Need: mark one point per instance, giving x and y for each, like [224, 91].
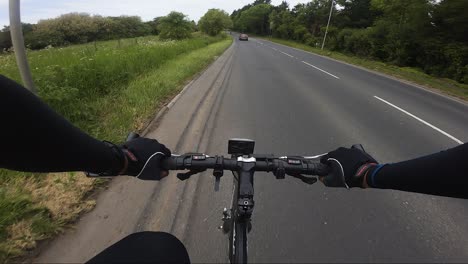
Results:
[293, 102]
[290, 102]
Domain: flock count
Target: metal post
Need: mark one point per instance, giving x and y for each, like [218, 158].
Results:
[16, 32]
[329, 17]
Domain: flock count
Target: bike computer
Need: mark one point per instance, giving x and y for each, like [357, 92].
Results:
[241, 146]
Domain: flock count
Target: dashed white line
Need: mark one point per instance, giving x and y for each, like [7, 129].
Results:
[315, 67]
[422, 121]
[287, 54]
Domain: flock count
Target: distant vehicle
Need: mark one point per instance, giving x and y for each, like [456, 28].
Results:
[243, 37]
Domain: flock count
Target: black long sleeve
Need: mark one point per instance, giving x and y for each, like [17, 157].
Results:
[444, 173]
[35, 138]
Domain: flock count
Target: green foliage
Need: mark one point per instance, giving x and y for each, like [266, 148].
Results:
[175, 26]
[153, 25]
[69, 79]
[356, 14]
[5, 39]
[76, 28]
[451, 19]
[214, 21]
[254, 19]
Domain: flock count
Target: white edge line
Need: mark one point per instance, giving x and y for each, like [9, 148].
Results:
[422, 121]
[287, 54]
[415, 85]
[320, 69]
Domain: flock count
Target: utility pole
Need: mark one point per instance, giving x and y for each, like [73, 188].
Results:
[16, 32]
[329, 17]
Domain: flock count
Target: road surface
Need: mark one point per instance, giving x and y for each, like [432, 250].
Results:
[292, 102]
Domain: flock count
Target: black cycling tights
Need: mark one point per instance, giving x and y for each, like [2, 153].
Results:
[149, 247]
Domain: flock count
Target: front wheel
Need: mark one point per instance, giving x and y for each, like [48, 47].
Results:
[238, 242]
[238, 229]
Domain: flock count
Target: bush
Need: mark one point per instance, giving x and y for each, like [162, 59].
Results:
[174, 26]
[355, 41]
[456, 55]
[300, 33]
[78, 28]
[342, 38]
[214, 21]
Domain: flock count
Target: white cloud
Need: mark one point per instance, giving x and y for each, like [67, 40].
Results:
[33, 10]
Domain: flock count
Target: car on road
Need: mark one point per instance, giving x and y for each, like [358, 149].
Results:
[243, 37]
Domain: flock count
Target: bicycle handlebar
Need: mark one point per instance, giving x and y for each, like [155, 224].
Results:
[280, 166]
[295, 166]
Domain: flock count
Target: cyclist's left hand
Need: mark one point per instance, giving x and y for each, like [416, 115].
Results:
[144, 157]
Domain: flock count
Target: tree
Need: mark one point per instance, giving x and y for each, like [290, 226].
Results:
[81, 28]
[313, 15]
[255, 19]
[5, 38]
[154, 25]
[451, 19]
[174, 26]
[214, 21]
[129, 27]
[356, 14]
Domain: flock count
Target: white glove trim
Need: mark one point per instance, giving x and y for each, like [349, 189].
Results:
[342, 171]
[156, 153]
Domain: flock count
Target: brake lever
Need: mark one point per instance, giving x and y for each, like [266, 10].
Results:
[185, 175]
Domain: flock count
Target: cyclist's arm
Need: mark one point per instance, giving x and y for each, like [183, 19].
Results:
[444, 173]
[36, 138]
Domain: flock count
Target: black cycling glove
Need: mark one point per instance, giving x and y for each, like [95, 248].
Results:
[139, 157]
[348, 166]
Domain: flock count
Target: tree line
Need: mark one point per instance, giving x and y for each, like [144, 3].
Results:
[78, 28]
[427, 34]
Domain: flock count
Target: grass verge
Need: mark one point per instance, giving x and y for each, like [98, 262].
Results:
[37, 206]
[413, 75]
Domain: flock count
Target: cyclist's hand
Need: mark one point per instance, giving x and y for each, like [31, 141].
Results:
[144, 156]
[348, 166]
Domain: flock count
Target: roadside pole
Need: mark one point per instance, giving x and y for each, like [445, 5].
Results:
[16, 32]
[329, 17]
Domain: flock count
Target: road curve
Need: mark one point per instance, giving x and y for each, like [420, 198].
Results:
[294, 102]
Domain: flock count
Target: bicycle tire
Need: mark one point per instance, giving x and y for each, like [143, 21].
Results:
[238, 231]
[240, 242]
[233, 217]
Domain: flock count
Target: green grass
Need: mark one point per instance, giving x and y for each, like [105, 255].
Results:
[413, 75]
[71, 78]
[140, 99]
[38, 206]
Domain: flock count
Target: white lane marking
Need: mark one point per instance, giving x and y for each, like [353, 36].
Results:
[287, 54]
[422, 121]
[274, 49]
[321, 70]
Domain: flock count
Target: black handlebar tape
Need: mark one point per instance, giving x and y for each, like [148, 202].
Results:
[169, 163]
[181, 163]
[322, 169]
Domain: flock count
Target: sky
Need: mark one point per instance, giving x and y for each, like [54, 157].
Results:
[34, 10]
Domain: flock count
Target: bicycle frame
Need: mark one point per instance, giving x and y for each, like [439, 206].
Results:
[241, 210]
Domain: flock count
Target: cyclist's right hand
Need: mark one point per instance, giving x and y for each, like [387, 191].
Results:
[348, 167]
